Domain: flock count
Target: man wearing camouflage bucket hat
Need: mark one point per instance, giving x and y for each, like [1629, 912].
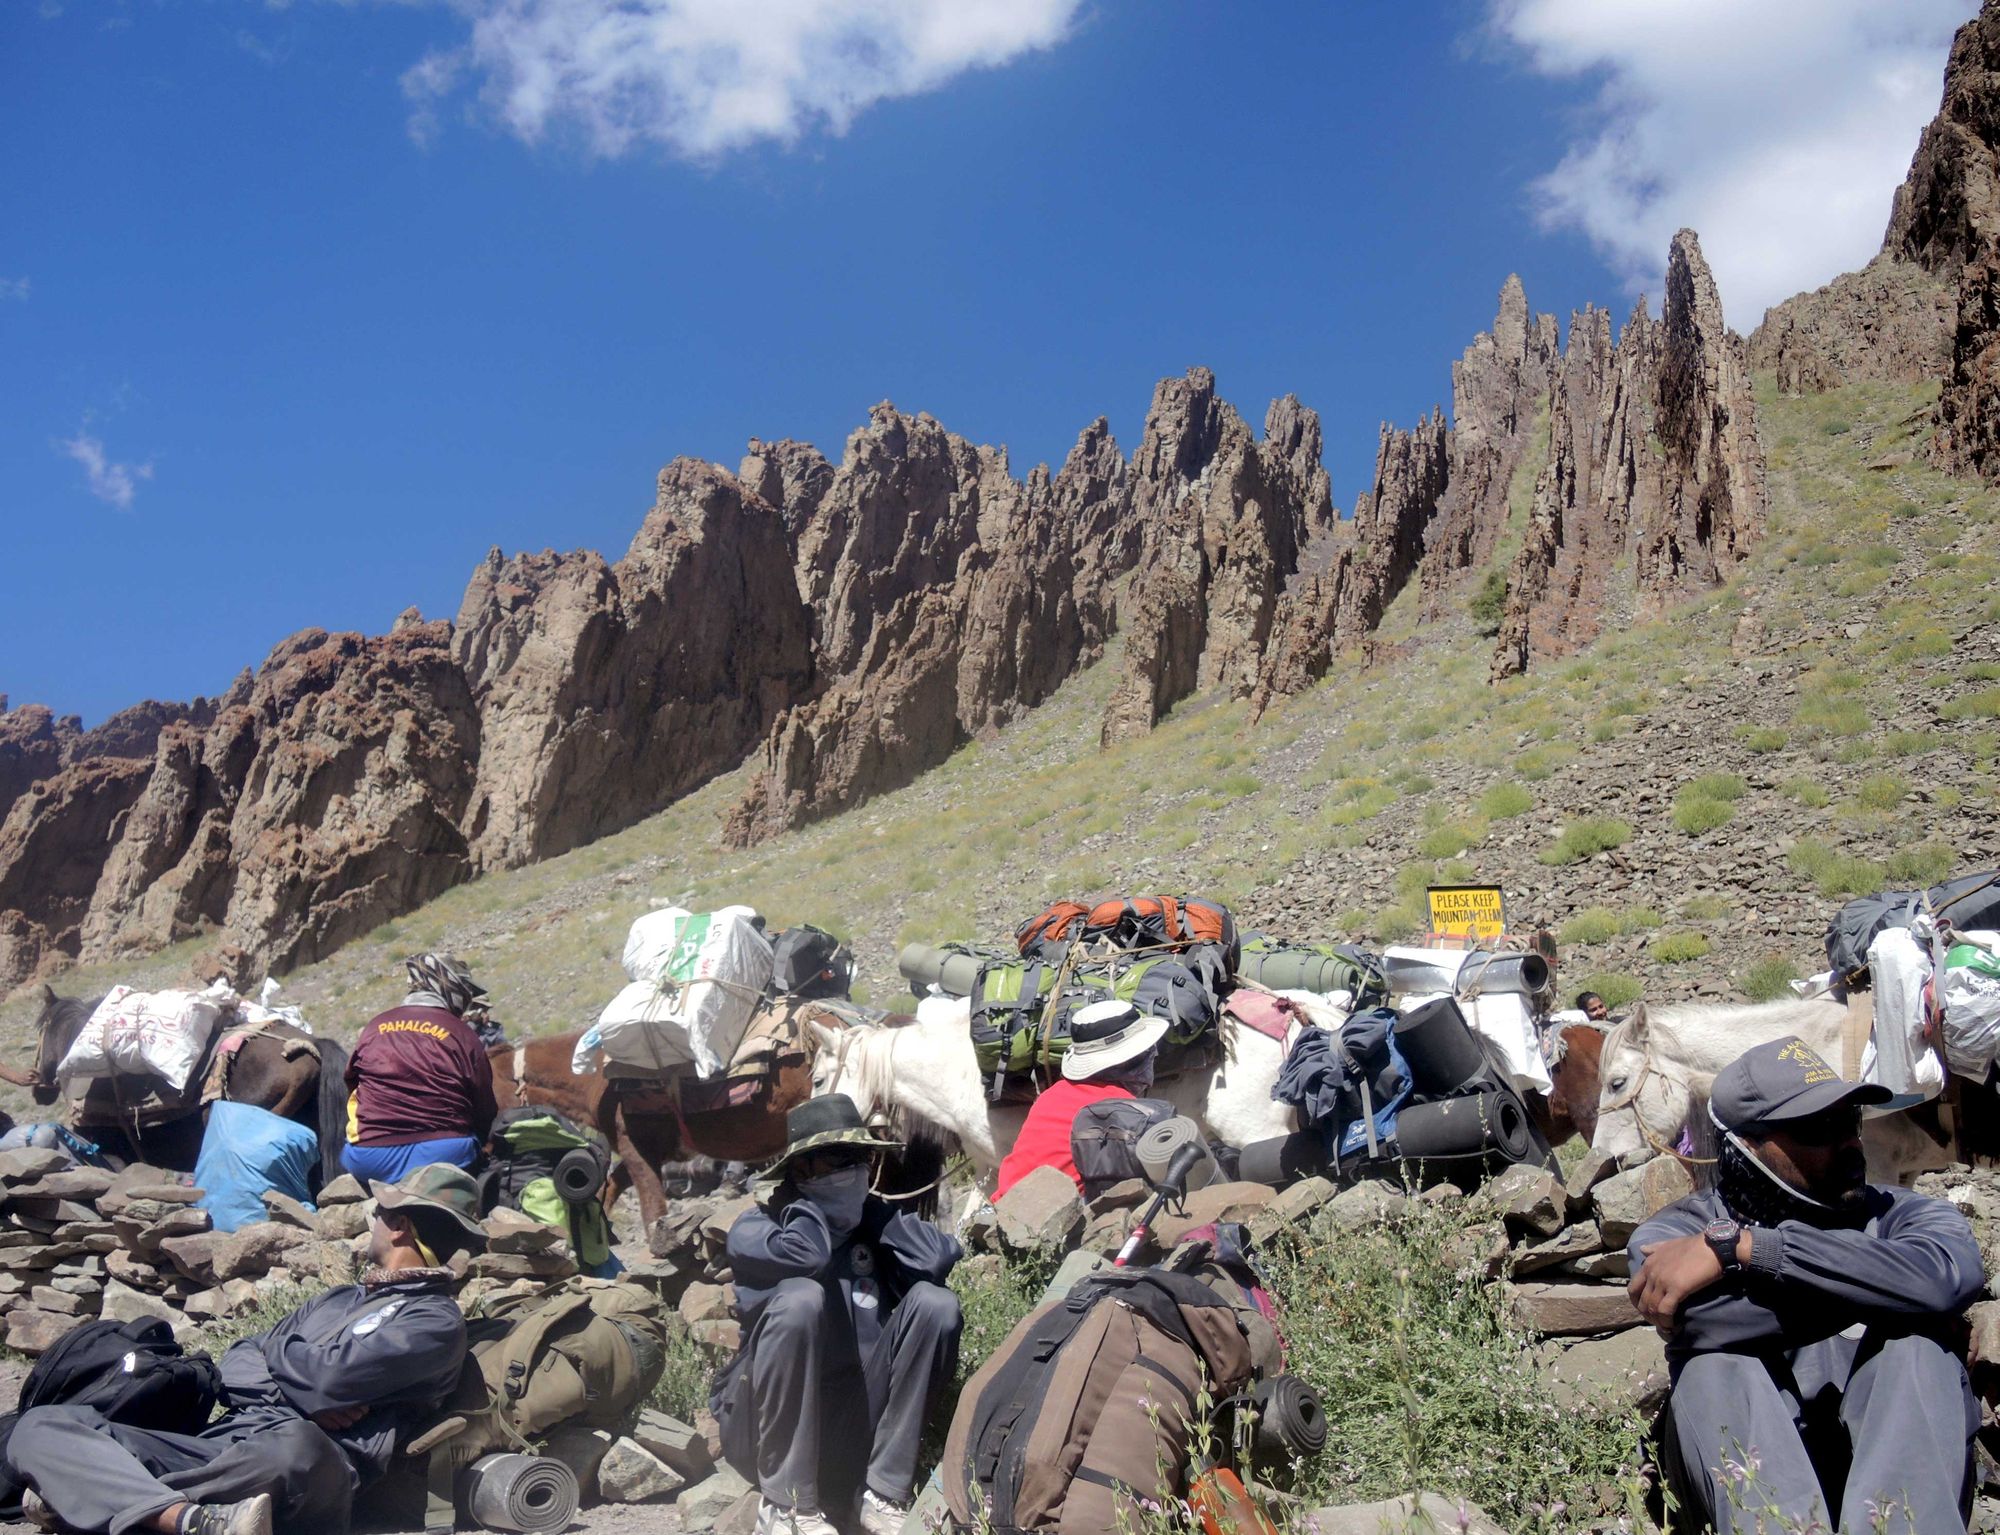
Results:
[1810, 1318]
[317, 1405]
[848, 1333]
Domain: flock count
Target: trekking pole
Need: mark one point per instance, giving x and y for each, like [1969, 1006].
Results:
[1172, 1185]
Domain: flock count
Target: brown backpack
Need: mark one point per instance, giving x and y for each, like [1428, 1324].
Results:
[1134, 922]
[1088, 1405]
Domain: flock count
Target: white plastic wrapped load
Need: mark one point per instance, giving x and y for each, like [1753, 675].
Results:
[1970, 988]
[696, 979]
[267, 1009]
[1899, 1055]
[136, 1033]
[1505, 1019]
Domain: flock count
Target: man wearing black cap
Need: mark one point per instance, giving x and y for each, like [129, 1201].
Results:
[1808, 1315]
[848, 1333]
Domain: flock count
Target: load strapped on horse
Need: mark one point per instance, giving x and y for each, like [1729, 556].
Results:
[144, 1071]
[712, 1029]
[1350, 1085]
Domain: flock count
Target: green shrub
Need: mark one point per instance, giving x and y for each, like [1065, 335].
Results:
[1451, 839]
[1902, 743]
[1808, 793]
[1834, 873]
[691, 1364]
[1769, 979]
[1594, 924]
[1836, 427]
[1640, 919]
[1581, 839]
[1489, 604]
[1237, 785]
[1761, 738]
[1504, 801]
[1677, 948]
[1428, 1381]
[1983, 705]
[1881, 791]
[1705, 907]
[1929, 863]
[1722, 786]
[1982, 671]
[1538, 762]
[1823, 716]
[1697, 815]
[1392, 924]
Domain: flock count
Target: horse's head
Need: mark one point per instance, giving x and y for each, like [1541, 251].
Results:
[56, 1027]
[1641, 1106]
[1576, 1082]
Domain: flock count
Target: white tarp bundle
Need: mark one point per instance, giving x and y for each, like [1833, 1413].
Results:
[1899, 1055]
[135, 1033]
[696, 979]
[1505, 1020]
[1970, 992]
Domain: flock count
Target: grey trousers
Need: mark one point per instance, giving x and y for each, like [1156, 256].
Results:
[799, 1432]
[1879, 1429]
[106, 1478]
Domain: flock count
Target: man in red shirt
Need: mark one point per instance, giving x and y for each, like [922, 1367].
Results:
[1112, 1046]
[420, 1085]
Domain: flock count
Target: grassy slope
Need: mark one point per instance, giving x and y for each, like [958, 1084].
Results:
[1848, 676]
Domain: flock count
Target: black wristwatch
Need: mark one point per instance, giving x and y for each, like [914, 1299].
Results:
[1722, 1237]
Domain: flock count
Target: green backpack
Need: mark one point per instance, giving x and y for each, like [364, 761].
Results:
[548, 1167]
[1009, 1005]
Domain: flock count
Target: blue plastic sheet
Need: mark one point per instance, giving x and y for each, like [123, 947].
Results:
[245, 1151]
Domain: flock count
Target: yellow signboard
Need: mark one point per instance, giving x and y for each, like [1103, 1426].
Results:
[1468, 911]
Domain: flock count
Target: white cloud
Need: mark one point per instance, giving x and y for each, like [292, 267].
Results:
[14, 288]
[702, 77]
[1777, 129]
[115, 484]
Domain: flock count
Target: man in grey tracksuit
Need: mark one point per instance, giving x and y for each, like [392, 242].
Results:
[848, 1334]
[1810, 1318]
[317, 1405]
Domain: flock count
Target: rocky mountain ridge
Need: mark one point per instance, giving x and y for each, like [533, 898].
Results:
[848, 626]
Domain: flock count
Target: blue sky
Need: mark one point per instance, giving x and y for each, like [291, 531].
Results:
[304, 305]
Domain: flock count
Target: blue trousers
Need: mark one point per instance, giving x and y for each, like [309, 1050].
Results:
[387, 1164]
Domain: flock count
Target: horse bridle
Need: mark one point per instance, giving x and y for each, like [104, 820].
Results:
[1648, 1069]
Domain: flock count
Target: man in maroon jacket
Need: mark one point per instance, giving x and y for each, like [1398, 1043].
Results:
[420, 1086]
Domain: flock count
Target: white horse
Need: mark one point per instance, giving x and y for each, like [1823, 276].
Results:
[1657, 1065]
[928, 1071]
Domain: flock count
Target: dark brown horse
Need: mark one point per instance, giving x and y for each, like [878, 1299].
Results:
[1571, 1105]
[295, 1084]
[645, 1128]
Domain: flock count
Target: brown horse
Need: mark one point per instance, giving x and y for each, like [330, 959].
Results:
[306, 1088]
[1571, 1105]
[646, 1127]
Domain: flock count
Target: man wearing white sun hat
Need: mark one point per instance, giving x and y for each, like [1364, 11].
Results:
[1112, 1047]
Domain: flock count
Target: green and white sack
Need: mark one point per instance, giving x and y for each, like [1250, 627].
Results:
[696, 979]
[1970, 988]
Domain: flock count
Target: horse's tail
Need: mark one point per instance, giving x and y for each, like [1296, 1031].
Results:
[332, 1107]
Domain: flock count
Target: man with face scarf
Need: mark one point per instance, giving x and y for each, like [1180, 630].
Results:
[1112, 1048]
[848, 1334]
[1809, 1318]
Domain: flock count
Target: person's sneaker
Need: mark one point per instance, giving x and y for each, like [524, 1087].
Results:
[38, 1513]
[250, 1517]
[881, 1517]
[775, 1519]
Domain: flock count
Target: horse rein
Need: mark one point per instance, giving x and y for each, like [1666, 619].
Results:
[1648, 1069]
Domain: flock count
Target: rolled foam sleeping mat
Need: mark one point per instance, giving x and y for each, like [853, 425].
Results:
[1283, 1160]
[578, 1175]
[531, 1494]
[953, 974]
[1291, 1421]
[1295, 970]
[1443, 1052]
[1492, 1124]
[1524, 974]
[1159, 1144]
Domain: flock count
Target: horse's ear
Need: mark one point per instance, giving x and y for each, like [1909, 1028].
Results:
[829, 1039]
[1635, 1021]
[48, 994]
